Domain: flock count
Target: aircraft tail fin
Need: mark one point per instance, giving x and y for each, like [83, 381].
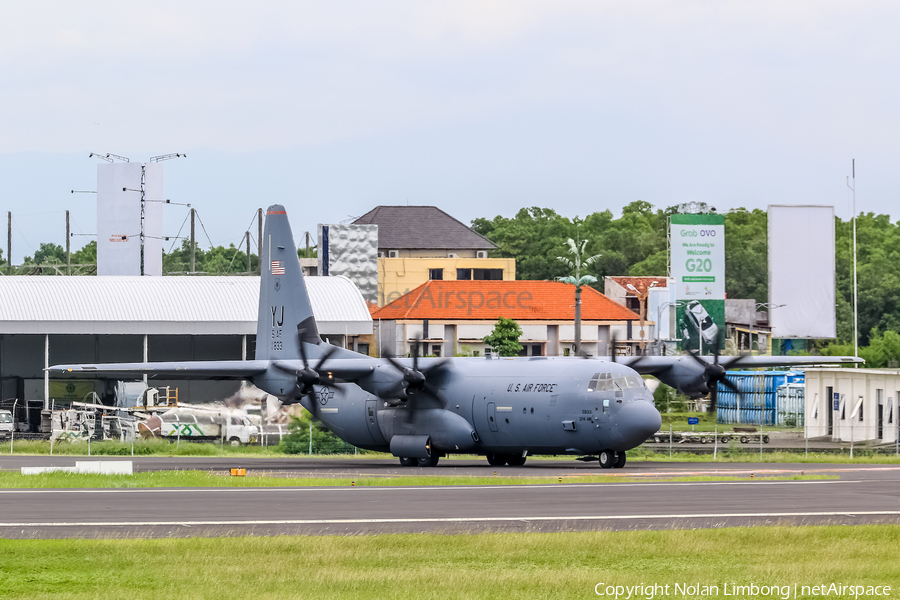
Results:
[285, 312]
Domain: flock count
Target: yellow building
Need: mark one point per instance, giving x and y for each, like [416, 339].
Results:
[417, 244]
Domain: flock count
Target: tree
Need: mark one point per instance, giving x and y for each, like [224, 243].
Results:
[504, 339]
[578, 263]
[87, 255]
[48, 254]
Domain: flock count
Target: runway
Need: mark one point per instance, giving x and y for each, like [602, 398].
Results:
[861, 495]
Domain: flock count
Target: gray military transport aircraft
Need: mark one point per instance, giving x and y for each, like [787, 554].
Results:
[419, 409]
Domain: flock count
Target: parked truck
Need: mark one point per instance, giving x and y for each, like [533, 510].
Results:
[202, 425]
[6, 424]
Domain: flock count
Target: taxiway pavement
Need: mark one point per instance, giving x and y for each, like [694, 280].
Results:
[862, 494]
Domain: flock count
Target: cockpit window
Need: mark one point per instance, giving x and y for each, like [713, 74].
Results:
[601, 382]
[619, 383]
[634, 381]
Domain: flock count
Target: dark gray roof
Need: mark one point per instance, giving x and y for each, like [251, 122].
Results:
[424, 227]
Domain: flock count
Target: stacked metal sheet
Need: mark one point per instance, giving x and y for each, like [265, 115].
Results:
[757, 404]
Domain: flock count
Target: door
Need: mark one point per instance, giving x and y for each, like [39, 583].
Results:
[372, 423]
[492, 416]
[829, 398]
[879, 398]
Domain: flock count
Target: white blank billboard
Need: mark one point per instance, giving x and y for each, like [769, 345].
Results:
[801, 272]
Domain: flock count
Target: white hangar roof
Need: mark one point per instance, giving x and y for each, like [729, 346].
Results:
[164, 305]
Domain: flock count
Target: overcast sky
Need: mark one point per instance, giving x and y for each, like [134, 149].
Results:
[478, 107]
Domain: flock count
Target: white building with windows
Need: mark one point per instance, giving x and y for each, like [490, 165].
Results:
[858, 405]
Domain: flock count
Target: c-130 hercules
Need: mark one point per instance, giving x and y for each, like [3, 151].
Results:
[422, 409]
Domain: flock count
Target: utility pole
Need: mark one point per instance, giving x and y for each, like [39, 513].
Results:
[68, 249]
[9, 243]
[855, 309]
[193, 245]
[259, 239]
[248, 252]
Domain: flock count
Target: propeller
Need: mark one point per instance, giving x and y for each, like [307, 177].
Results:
[414, 379]
[309, 377]
[714, 373]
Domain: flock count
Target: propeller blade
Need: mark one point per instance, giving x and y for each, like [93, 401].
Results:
[730, 385]
[716, 349]
[633, 364]
[314, 404]
[713, 397]
[735, 362]
[697, 358]
[612, 348]
[415, 353]
[324, 357]
[303, 352]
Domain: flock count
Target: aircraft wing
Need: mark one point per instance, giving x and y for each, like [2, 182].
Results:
[649, 365]
[205, 369]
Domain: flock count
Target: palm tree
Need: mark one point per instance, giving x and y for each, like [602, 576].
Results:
[577, 263]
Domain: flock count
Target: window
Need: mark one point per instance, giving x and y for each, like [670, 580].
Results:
[861, 404]
[536, 350]
[435, 349]
[363, 349]
[634, 381]
[464, 274]
[487, 274]
[435, 273]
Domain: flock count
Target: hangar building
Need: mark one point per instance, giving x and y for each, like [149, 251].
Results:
[62, 320]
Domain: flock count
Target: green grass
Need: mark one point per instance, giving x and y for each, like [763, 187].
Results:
[737, 454]
[175, 479]
[527, 565]
[153, 447]
[650, 452]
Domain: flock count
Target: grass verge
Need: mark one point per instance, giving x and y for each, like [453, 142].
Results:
[180, 479]
[541, 565]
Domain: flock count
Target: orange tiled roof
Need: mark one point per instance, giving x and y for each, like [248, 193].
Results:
[488, 300]
[372, 307]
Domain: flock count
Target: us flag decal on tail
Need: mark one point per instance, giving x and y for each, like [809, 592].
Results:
[277, 268]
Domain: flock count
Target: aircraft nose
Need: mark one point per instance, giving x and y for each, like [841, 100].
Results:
[637, 421]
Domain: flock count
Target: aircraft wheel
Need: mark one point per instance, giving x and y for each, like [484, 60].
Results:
[607, 458]
[620, 460]
[408, 462]
[496, 460]
[431, 461]
[515, 461]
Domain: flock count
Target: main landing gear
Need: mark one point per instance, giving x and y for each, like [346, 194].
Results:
[498, 460]
[431, 461]
[611, 460]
